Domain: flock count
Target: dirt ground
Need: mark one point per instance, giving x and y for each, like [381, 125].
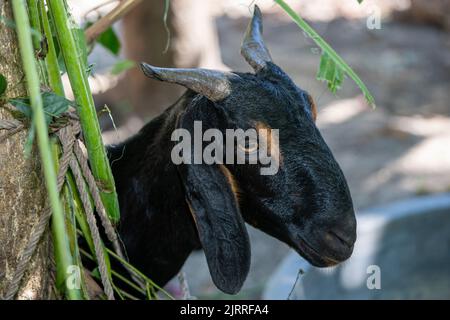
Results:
[400, 149]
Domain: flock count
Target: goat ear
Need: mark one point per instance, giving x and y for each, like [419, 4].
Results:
[213, 204]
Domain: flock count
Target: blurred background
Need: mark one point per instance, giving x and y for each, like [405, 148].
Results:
[397, 151]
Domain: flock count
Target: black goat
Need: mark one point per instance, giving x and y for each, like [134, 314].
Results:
[169, 210]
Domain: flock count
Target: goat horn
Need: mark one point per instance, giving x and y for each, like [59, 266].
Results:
[253, 48]
[213, 84]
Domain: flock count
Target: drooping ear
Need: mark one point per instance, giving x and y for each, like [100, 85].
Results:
[214, 207]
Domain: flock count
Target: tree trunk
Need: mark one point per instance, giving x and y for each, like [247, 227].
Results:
[193, 43]
[22, 191]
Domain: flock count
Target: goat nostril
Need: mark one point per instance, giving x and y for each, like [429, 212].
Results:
[344, 239]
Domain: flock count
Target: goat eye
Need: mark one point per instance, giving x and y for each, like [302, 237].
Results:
[249, 146]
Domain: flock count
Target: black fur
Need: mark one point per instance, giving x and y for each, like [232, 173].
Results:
[307, 204]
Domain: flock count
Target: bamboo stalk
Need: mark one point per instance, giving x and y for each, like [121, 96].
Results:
[71, 224]
[34, 22]
[33, 85]
[88, 116]
[57, 87]
[57, 228]
[51, 59]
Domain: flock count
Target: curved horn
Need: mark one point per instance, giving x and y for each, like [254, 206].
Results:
[215, 85]
[253, 48]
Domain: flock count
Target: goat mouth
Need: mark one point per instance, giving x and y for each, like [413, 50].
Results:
[308, 252]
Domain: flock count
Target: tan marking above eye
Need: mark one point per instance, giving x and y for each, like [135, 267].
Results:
[313, 107]
[251, 148]
[265, 133]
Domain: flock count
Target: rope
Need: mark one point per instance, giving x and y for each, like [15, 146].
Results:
[92, 222]
[40, 227]
[12, 127]
[72, 151]
[9, 124]
[107, 225]
[73, 157]
[84, 195]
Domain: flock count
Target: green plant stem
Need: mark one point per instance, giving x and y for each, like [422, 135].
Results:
[327, 48]
[34, 22]
[128, 282]
[137, 273]
[33, 85]
[63, 249]
[54, 75]
[88, 117]
[126, 295]
[115, 274]
[71, 224]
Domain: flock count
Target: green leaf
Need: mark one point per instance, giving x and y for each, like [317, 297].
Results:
[330, 72]
[23, 105]
[3, 84]
[122, 66]
[341, 67]
[96, 274]
[54, 105]
[110, 41]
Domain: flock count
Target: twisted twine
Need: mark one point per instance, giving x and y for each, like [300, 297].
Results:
[92, 184]
[72, 151]
[74, 157]
[107, 225]
[39, 229]
[11, 126]
[98, 246]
